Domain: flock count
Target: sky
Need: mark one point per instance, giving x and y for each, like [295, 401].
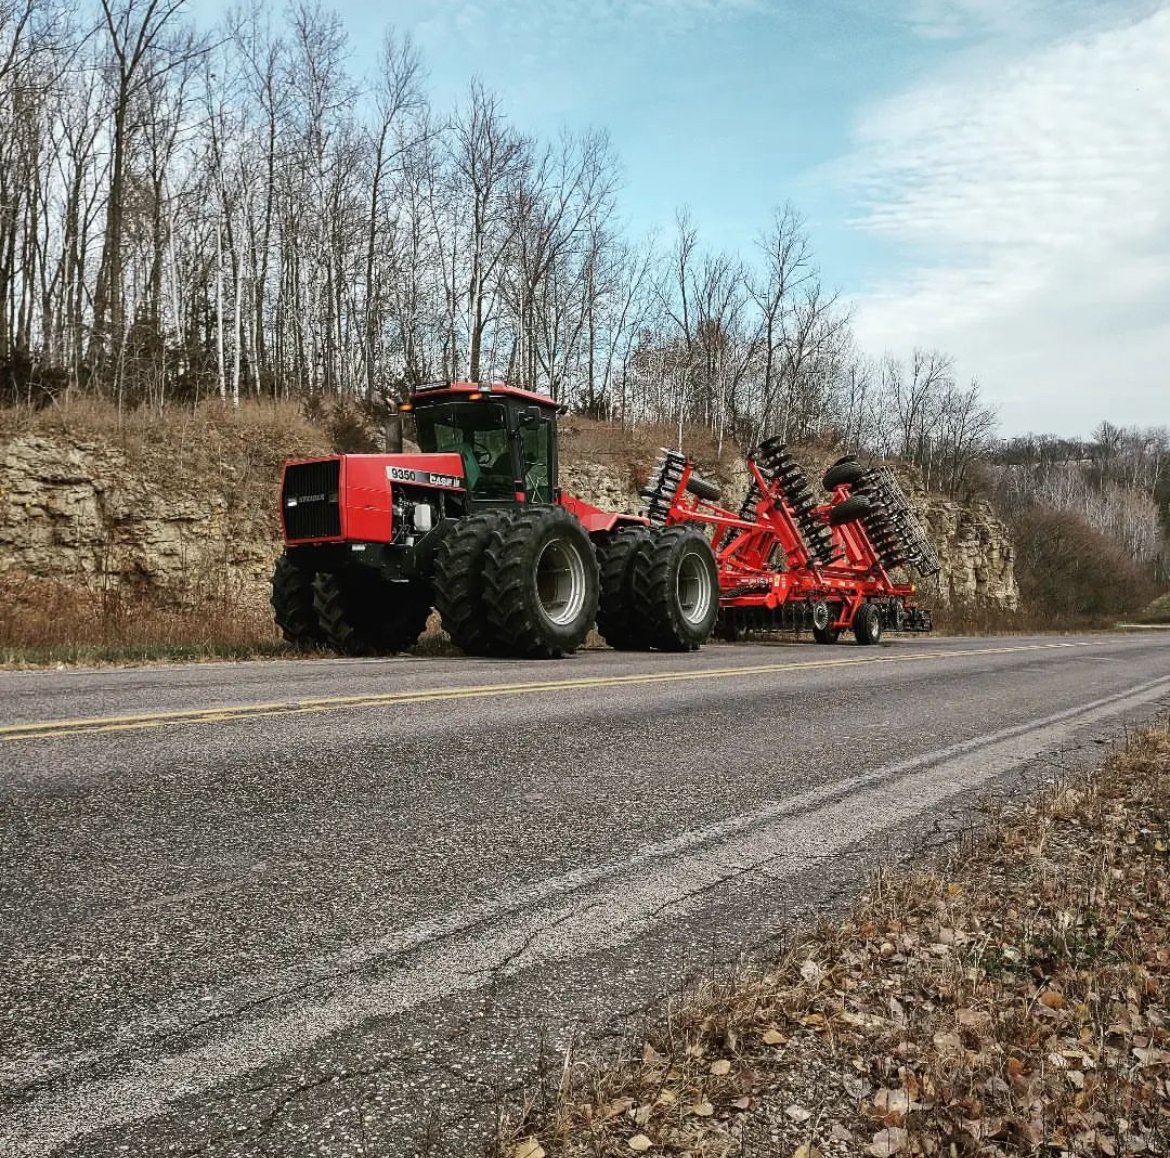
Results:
[989, 177]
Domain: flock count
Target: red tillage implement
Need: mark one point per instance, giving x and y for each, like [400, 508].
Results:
[789, 561]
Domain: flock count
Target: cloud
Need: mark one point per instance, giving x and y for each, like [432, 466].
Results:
[1031, 207]
[955, 19]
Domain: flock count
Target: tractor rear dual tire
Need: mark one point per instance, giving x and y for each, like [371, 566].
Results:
[616, 622]
[540, 583]
[674, 589]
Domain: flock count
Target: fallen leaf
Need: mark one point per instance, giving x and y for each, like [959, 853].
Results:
[1152, 1057]
[639, 1143]
[863, 1020]
[1052, 999]
[744, 1103]
[650, 1055]
[806, 1151]
[811, 971]
[701, 1109]
[972, 1018]
[891, 1140]
[613, 1109]
[528, 1148]
[721, 1067]
[892, 1101]
[774, 1037]
[948, 1043]
[798, 1113]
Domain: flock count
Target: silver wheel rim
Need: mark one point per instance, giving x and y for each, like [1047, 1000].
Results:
[694, 589]
[560, 582]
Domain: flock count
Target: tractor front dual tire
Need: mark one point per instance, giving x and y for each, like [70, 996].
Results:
[616, 622]
[361, 614]
[459, 587]
[292, 605]
[540, 583]
[674, 588]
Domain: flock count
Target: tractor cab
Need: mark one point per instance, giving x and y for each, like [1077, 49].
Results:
[506, 438]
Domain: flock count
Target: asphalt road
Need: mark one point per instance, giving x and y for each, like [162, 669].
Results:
[341, 907]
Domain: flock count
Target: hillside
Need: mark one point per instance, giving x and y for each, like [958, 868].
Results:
[105, 526]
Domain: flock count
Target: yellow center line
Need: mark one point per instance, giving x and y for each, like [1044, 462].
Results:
[46, 729]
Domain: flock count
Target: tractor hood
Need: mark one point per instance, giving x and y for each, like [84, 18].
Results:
[352, 496]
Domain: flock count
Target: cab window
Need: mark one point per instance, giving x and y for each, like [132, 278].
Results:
[536, 442]
[478, 433]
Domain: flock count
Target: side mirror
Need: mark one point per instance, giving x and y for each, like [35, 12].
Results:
[531, 416]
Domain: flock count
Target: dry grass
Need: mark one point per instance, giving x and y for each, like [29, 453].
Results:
[1157, 612]
[1013, 1002]
[982, 620]
[178, 443]
[632, 451]
[42, 622]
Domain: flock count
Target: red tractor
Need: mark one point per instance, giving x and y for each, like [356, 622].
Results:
[476, 526]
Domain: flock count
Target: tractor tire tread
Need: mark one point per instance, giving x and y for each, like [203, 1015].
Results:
[292, 605]
[616, 622]
[509, 585]
[459, 595]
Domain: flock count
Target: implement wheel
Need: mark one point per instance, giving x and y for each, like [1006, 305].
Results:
[867, 625]
[843, 471]
[853, 508]
[540, 583]
[362, 614]
[675, 585]
[703, 489]
[616, 621]
[292, 605]
[459, 594]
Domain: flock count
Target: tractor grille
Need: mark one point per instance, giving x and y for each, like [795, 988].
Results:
[310, 500]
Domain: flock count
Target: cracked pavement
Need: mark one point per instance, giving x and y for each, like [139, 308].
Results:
[356, 927]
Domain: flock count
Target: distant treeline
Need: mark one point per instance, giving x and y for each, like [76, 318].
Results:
[185, 215]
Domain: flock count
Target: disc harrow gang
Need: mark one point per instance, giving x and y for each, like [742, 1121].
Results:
[665, 483]
[790, 561]
[792, 483]
[895, 531]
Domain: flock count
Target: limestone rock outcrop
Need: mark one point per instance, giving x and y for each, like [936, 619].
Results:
[85, 512]
[80, 512]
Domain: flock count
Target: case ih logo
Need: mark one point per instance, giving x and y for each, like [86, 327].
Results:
[300, 499]
[422, 477]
